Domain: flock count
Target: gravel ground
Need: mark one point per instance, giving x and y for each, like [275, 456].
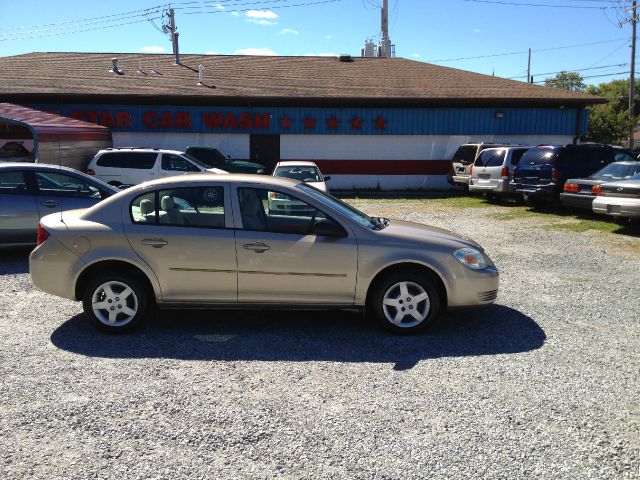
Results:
[544, 384]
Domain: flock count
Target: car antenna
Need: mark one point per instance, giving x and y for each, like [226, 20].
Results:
[60, 168]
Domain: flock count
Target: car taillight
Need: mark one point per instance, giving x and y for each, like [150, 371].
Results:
[554, 174]
[570, 187]
[596, 190]
[505, 172]
[89, 171]
[42, 235]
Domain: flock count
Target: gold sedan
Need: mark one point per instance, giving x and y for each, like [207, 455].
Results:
[212, 241]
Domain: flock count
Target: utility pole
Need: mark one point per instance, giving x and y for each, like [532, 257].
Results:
[632, 74]
[385, 44]
[174, 35]
[529, 80]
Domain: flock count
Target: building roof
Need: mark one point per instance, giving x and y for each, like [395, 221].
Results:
[235, 79]
[48, 126]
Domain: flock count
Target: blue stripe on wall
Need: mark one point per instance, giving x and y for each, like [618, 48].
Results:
[391, 121]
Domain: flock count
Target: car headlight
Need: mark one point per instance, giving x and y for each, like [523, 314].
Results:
[471, 257]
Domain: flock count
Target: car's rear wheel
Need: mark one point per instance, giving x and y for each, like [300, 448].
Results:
[115, 303]
[405, 302]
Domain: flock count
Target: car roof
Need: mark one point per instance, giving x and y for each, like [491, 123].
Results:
[136, 149]
[37, 166]
[199, 178]
[296, 163]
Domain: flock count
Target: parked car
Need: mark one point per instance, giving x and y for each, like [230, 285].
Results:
[15, 152]
[29, 191]
[492, 170]
[212, 241]
[580, 192]
[131, 166]
[307, 172]
[214, 158]
[619, 199]
[463, 160]
[543, 170]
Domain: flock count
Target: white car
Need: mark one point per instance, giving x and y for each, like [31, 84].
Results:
[131, 166]
[307, 172]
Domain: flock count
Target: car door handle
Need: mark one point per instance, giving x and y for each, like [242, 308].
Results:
[50, 204]
[257, 247]
[154, 242]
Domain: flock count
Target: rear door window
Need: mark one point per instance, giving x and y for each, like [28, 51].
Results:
[539, 156]
[137, 160]
[13, 183]
[496, 160]
[465, 154]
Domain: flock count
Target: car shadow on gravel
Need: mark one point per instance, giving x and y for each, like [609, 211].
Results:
[14, 260]
[304, 336]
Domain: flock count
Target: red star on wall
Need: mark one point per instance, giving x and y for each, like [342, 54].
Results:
[356, 123]
[309, 123]
[285, 122]
[380, 123]
[332, 123]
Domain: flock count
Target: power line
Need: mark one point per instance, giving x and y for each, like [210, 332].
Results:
[271, 7]
[526, 51]
[596, 76]
[545, 5]
[571, 70]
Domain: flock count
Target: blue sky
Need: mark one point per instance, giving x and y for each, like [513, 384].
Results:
[422, 30]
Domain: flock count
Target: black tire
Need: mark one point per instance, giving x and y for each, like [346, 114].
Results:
[139, 301]
[376, 308]
[530, 201]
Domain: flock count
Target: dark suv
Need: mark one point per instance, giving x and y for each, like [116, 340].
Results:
[543, 170]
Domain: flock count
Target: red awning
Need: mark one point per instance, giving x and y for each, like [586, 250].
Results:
[47, 127]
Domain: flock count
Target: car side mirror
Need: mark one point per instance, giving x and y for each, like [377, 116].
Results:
[328, 228]
[326, 179]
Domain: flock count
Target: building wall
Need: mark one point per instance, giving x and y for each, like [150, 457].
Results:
[388, 162]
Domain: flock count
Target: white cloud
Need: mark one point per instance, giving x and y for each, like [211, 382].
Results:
[261, 22]
[261, 14]
[218, 7]
[235, 14]
[416, 55]
[212, 53]
[152, 49]
[328, 36]
[477, 30]
[284, 31]
[255, 51]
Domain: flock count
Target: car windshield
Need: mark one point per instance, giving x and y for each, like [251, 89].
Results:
[200, 163]
[301, 173]
[344, 208]
[617, 171]
[539, 156]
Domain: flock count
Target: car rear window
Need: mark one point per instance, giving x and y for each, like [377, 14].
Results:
[539, 156]
[465, 154]
[490, 158]
[138, 160]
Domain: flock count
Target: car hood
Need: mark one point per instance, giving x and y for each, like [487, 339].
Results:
[319, 185]
[624, 184]
[246, 164]
[418, 232]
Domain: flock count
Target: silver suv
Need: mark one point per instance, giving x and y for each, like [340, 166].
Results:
[493, 169]
[463, 160]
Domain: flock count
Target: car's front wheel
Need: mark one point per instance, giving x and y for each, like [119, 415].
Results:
[115, 303]
[405, 302]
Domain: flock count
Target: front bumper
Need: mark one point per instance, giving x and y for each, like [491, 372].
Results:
[468, 287]
[617, 206]
[575, 200]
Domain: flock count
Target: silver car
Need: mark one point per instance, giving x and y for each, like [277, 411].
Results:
[211, 241]
[30, 191]
[493, 170]
[619, 199]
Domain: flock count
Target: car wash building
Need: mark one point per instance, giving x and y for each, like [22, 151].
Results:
[387, 123]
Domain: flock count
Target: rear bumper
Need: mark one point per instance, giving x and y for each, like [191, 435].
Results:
[502, 186]
[461, 179]
[617, 206]
[576, 200]
[547, 192]
[51, 267]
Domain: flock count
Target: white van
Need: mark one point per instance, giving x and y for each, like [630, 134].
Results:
[130, 166]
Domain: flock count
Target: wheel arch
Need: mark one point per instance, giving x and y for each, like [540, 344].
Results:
[111, 265]
[411, 266]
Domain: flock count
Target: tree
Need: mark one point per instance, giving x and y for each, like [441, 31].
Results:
[571, 81]
[610, 122]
